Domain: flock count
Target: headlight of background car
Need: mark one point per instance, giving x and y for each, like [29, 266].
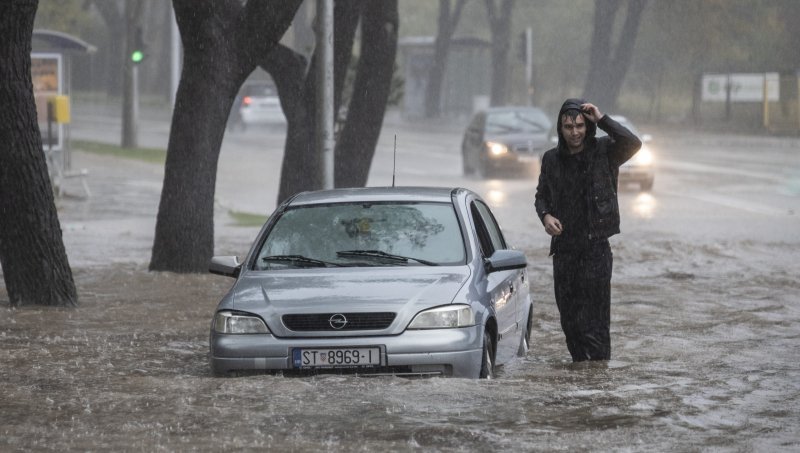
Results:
[643, 157]
[444, 318]
[496, 149]
[230, 322]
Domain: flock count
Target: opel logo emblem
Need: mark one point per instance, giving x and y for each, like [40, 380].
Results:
[337, 321]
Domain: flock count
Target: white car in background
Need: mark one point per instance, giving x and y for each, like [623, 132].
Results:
[639, 169]
[260, 104]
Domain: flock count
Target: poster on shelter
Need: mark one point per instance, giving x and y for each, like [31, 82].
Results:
[46, 78]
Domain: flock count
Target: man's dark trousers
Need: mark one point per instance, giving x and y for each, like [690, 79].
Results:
[583, 294]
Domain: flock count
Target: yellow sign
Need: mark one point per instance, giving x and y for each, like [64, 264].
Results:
[60, 106]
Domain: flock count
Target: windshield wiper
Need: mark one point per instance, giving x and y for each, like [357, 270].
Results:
[300, 259]
[383, 255]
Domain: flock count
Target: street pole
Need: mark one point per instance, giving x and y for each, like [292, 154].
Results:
[135, 107]
[325, 90]
[175, 58]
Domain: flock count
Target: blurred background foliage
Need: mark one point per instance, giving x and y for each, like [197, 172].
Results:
[678, 40]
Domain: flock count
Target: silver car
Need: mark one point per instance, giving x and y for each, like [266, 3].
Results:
[402, 281]
[504, 140]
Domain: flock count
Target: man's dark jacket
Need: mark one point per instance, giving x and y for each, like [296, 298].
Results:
[605, 155]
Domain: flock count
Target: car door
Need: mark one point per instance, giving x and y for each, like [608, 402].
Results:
[501, 285]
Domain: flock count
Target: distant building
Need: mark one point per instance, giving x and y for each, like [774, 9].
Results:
[467, 80]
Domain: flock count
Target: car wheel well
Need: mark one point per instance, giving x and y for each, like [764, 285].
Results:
[489, 350]
[491, 328]
[525, 342]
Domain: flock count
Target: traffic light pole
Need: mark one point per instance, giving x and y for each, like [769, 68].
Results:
[135, 105]
[135, 47]
[130, 107]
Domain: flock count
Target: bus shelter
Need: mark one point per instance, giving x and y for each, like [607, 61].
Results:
[50, 73]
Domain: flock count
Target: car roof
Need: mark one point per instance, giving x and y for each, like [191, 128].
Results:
[375, 194]
[511, 108]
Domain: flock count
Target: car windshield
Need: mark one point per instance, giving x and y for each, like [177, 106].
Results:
[517, 121]
[364, 234]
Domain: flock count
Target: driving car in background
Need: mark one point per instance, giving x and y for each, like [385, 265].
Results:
[640, 168]
[260, 103]
[402, 281]
[505, 140]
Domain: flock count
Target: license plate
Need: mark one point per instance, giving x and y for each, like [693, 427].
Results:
[335, 357]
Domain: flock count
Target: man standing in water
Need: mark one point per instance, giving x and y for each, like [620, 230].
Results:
[576, 200]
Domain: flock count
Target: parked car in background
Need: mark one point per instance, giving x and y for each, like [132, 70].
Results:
[403, 281]
[505, 140]
[640, 169]
[259, 103]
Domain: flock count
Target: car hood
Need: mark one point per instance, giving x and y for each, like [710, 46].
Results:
[401, 290]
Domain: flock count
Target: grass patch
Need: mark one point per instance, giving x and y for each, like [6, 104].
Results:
[246, 219]
[151, 155]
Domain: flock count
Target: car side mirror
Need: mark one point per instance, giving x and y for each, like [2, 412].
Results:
[505, 260]
[227, 266]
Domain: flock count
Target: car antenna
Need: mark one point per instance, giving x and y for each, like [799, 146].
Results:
[394, 159]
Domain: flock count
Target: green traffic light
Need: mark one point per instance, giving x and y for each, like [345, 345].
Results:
[137, 56]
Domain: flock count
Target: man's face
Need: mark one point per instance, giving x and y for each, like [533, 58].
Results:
[574, 131]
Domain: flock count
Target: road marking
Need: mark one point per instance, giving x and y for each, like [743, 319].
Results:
[729, 202]
[705, 168]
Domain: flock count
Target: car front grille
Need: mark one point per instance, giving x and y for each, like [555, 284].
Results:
[331, 321]
[530, 148]
[523, 149]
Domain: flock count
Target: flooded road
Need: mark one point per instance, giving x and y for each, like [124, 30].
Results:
[705, 331]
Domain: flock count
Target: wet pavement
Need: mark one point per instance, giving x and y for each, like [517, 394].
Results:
[705, 328]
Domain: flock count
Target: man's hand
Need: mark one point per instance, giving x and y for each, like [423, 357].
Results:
[552, 225]
[591, 112]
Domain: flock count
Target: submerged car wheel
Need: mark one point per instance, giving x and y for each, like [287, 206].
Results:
[525, 343]
[487, 363]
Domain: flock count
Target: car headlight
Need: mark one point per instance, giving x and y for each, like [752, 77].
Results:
[446, 317]
[643, 157]
[496, 149]
[231, 322]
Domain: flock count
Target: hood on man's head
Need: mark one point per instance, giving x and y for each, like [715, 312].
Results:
[574, 104]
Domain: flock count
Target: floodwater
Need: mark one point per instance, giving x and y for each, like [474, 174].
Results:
[705, 331]
[705, 357]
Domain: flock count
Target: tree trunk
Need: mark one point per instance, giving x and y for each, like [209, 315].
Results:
[32, 255]
[500, 25]
[356, 146]
[301, 168]
[600, 53]
[447, 23]
[609, 65]
[624, 52]
[219, 53]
